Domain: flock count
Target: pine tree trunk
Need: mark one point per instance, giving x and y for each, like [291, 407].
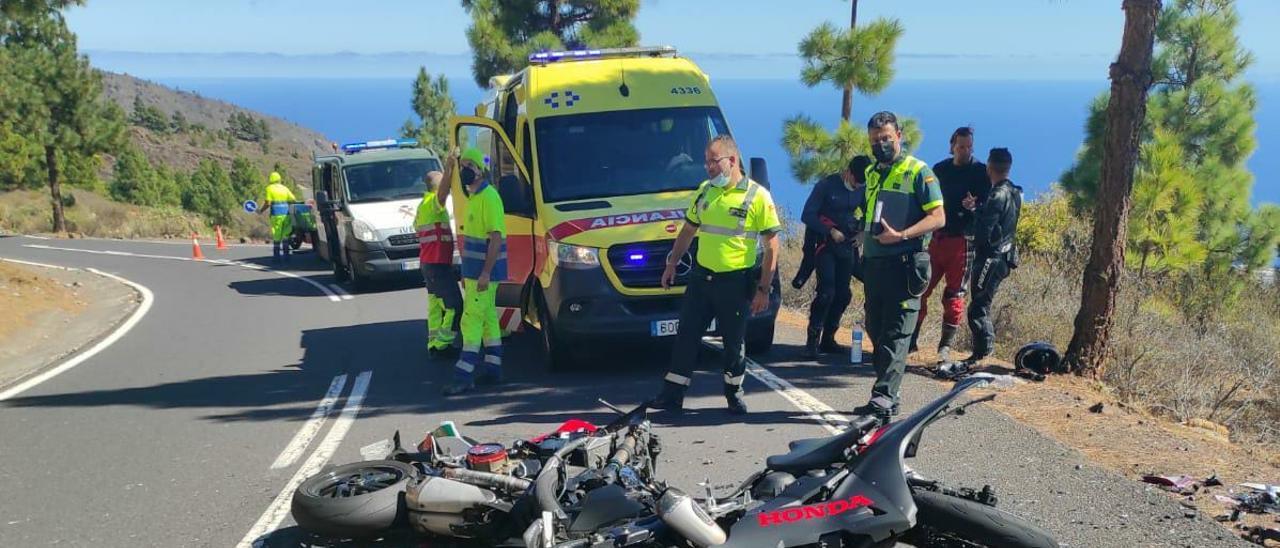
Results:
[846, 101]
[1130, 80]
[55, 189]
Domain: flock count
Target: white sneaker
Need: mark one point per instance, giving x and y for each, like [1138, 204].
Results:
[944, 354]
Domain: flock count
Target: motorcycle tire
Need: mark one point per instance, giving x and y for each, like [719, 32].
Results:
[956, 519]
[353, 501]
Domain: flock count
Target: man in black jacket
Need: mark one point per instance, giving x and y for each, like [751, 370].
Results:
[994, 228]
[831, 212]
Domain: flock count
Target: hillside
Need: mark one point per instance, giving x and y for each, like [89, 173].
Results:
[289, 144]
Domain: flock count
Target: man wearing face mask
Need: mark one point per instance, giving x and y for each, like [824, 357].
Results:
[905, 205]
[484, 265]
[964, 184]
[435, 253]
[729, 214]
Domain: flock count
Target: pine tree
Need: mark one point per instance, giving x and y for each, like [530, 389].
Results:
[1164, 221]
[1200, 100]
[433, 105]
[62, 110]
[857, 60]
[247, 180]
[504, 32]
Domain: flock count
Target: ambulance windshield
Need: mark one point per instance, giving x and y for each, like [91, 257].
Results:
[627, 152]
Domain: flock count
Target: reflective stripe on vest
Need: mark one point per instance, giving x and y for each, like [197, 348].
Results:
[435, 243]
[279, 209]
[733, 232]
[473, 254]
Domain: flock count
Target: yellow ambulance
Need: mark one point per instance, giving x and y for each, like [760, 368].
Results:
[597, 154]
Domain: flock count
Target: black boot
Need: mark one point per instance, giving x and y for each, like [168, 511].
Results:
[880, 407]
[829, 344]
[944, 343]
[671, 399]
[810, 345]
[737, 406]
[915, 338]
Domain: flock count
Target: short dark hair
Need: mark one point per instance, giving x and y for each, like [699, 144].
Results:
[881, 119]
[962, 131]
[1000, 160]
[858, 167]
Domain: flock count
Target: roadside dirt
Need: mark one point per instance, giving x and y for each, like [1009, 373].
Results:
[1125, 439]
[49, 314]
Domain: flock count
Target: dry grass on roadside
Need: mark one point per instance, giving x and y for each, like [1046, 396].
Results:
[90, 214]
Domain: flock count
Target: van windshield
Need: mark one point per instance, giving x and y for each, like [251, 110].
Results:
[625, 152]
[389, 180]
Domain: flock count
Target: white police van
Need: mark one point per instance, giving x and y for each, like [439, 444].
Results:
[366, 199]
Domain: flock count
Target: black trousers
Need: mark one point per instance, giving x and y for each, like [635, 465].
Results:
[989, 271]
[835, 271]
[894, 285]
[725, 297]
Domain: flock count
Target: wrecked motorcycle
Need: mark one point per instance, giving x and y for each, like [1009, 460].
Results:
[852, 489]
[458, 491]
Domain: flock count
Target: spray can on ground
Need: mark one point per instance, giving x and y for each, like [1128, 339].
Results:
[855, 350]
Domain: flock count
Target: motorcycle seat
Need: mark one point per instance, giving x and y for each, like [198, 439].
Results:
[814, 453]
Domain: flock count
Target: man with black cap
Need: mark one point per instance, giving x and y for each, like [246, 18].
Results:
[994, 228]
[830, 212]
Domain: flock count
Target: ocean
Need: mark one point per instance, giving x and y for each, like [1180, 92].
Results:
[1041, 122]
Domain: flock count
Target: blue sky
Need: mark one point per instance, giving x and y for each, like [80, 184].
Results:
[944, 38]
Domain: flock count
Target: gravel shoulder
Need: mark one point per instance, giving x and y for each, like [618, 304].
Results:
[51, 313]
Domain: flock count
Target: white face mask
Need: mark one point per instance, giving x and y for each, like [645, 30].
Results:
[720, 181]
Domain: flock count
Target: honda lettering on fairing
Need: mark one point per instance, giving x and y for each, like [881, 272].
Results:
[813, 511]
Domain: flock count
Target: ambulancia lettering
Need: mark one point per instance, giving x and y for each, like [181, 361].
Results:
[637, 218]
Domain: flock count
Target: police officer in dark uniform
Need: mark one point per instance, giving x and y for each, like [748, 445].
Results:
[830, 211]
[729, 214]
[904, 205]
[994, 228]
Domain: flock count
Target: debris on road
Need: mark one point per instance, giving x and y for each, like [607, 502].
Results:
[1183, 485]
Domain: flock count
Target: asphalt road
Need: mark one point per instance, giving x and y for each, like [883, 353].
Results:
[190, 430]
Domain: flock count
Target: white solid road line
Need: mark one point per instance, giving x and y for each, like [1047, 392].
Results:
[147, 299]
[341, 292]
[330, 294]
[820, 412]
[303, 438]
[280, 506]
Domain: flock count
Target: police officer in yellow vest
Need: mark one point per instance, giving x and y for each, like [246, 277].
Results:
[903, 202]
[435, 254]
[276, 199]
[484, 265]
[730, 215]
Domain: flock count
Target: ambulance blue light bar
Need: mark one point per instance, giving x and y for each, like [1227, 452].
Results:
[544, 57]
[352, 148]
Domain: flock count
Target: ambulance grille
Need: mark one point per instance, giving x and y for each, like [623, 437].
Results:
[640, 264]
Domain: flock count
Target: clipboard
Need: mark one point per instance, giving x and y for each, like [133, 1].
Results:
[892, 207]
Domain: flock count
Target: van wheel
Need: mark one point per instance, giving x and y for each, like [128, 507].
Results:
[760, 339]
[555, 354]
[358, 283]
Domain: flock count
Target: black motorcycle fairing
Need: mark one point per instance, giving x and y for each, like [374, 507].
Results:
[787, 520]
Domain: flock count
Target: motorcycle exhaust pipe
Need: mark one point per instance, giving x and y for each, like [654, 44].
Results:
[488, 479]
[690, 521]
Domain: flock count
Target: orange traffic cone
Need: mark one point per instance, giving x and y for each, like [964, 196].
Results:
[195, 248]
[222, 244]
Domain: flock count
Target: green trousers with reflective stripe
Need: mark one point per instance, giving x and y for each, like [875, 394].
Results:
[480, 327]
[443, 303]
[893, 288]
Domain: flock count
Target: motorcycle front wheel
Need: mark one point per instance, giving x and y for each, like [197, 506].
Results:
[944, 520]
[353, 501]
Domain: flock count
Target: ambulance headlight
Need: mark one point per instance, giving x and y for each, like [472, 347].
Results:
[363, 232]
[575, 256]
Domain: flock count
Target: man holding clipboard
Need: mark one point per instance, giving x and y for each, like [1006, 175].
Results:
[904, 203]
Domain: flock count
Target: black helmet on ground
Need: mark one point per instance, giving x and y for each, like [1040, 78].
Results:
[1039, 357]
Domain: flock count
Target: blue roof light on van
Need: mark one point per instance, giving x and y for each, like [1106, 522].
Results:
[543, 57]
[352, 148]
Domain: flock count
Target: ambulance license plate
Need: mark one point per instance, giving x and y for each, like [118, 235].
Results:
[411, 265]
[667, 328]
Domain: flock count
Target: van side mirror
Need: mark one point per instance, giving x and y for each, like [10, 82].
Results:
[760, 171]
